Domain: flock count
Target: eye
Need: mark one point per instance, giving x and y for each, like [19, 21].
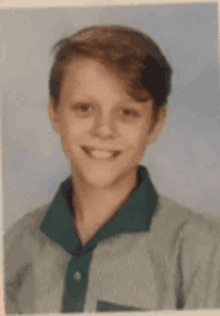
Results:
[82, 109]
[130, 113]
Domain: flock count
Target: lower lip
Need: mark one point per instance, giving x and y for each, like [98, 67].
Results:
[101, 159]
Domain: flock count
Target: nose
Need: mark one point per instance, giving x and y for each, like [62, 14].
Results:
[104, 127]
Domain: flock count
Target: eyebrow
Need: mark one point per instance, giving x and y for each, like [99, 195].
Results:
[126, 102]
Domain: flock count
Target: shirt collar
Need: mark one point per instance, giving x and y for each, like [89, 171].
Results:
[133, 216]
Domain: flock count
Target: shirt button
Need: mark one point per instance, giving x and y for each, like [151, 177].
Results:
[77, 276]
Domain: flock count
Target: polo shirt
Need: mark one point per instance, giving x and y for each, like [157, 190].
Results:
[58, 224]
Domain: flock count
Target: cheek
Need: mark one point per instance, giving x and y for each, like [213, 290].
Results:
[79, 128]
[136, 136]
[75, 127]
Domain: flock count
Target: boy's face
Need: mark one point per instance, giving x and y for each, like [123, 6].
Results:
[104, 131]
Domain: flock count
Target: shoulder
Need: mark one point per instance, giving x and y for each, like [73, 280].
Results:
[20, 241]
[27, 225]
[177, 220]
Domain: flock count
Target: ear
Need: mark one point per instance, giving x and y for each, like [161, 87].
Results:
[158, 125]
[54, 116]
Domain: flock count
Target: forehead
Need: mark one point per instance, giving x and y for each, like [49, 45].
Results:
[89, 75]
[85, 76]
[79, 66]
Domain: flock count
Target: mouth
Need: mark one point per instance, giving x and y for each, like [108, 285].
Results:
[101, 154]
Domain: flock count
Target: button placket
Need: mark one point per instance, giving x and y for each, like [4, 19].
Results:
[77, 276]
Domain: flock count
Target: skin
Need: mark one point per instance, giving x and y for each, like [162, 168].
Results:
[95, 110]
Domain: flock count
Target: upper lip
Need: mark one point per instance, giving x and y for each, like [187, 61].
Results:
[100, 149]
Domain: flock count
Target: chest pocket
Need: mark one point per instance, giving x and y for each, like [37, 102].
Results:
[103, 306]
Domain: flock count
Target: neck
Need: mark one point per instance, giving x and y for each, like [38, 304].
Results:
[93, 206]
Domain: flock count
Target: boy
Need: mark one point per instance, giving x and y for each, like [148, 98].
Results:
[108, 240]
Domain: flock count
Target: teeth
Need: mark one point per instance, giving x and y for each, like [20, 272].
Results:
[101, 154]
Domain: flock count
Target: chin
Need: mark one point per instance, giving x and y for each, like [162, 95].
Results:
[101, 178]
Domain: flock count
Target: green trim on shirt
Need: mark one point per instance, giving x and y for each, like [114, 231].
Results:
[133, 216]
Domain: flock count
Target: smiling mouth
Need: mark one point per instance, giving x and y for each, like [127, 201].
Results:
[100, 154]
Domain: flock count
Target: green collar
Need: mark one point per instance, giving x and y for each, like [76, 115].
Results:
[133, 216]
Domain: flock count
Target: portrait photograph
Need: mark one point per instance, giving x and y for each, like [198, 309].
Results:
[110, 158]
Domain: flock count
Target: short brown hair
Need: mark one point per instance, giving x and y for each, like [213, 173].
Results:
[134, 56]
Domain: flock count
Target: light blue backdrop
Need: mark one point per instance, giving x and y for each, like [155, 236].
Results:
[185, 161]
